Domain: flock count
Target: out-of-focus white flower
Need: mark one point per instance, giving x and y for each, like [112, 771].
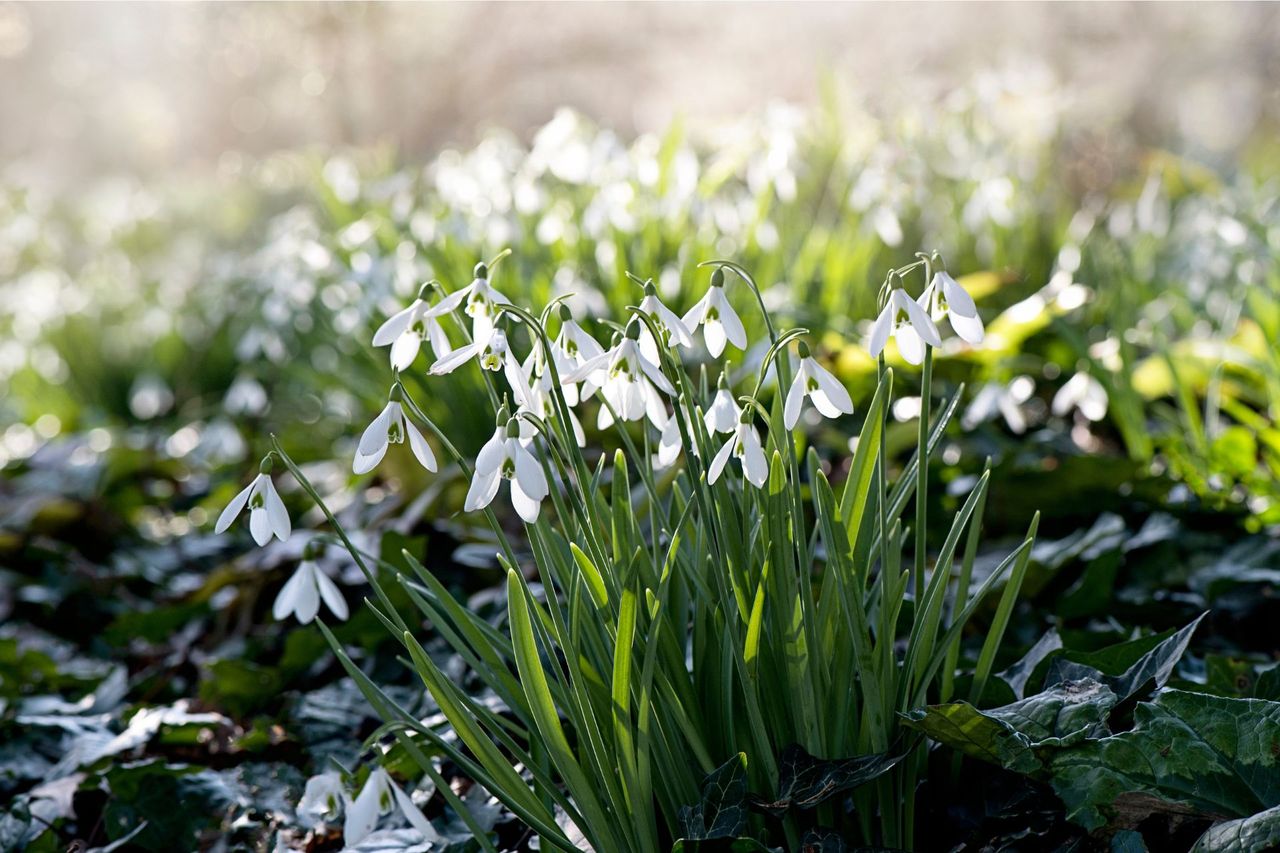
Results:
[391, 427]
[482, 302]
[815, 382]
[504, 457]
[267, 514]
[946, 298]
[323, 797]
[302, 593]
[1006, 400]
[667, 321]
[723, 414]
[1084, 393]
[744, 443]
[718, 319]
[628, 381]
[406, 331]
[909, 324]
[379, 796]
[669, 444]
[490, 351]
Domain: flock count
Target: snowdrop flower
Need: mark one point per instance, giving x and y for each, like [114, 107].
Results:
[391, 427]
[322, 798]
[815, 382]
[406, 331]
[718, 319]
[669, 444]
[504, 457]
[302, 593]
[666, 320]
[629, 382]
[572, 348]
[995, 398]
[1081, 392]
[724, 412]
[946, 298]
[909, 324]
[533, 394]
[744, 443]
[267, 514]
[490, 351]
[378, 797]
[482, 303]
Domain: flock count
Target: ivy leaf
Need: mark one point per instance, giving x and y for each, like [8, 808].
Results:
[722, 812]
[1213, 755]
[805, 781]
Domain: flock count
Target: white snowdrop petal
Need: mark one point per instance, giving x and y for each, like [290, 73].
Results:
[970, 329]
[440, 345]
[260, 526]
[286, 598]
[374, 436]
[721, 459]
[449, 303]
[713, 333]
[454, 360]
[755, 468]
[731, 322]
[656, 377]
[958, 299]
[395, 325]
[921, 321]
[405, 350]
[414, 815]
[795, 398]
[835, 392]
[277, 515]
[484, 486]
[363, 464]
[490, 456]
[418, 444]
[306, 602]
[532, 481]
[524, 504]
[880, 331]
[233, 509]
[909, 344]
[332, 596]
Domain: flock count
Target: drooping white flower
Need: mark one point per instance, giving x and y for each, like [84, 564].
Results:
[629, 382]
[669, 444]
[944, 297]
[379, 796]
[391, 427]
[667, 321]
[743, 443]
[997, 398]
[406, 331]
[1081, 392]
[302, 593]
[504, 457]
[909, 324]
[490, 351]
[267, 514]
[482, 302]
[815, 382]
[573, 348]
[718, 319]
[723, 414]
[322, 798]
[533, 393]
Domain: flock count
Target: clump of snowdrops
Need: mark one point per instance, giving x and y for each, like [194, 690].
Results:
[715, 621]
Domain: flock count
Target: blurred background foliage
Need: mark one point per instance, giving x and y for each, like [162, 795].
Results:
[206, 210]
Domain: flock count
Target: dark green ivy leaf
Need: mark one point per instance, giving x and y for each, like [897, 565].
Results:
[805, 781]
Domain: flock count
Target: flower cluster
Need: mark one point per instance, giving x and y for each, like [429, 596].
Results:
[638, 377]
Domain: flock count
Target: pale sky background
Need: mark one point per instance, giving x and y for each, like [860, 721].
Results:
[92, 89]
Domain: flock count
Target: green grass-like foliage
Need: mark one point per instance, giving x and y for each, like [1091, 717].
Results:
[702, 661]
